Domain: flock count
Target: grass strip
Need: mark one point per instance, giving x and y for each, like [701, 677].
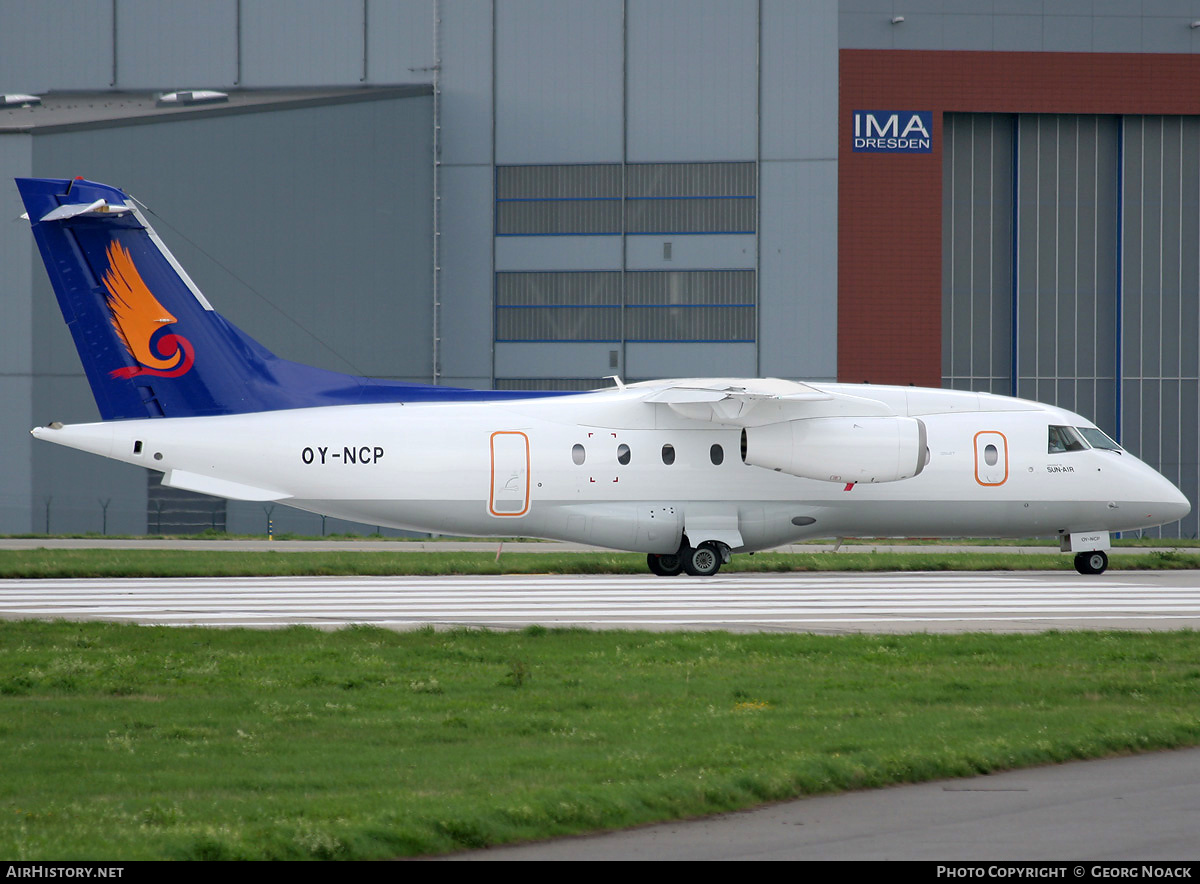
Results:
[61, 563]
[129, 742]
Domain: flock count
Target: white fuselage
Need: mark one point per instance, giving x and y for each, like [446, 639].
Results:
[591, 468]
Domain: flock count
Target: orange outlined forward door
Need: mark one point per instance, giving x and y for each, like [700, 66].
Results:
[510, 474]
[991, 458]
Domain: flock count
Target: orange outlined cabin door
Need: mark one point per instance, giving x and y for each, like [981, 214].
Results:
[991, 458]
[510, 474]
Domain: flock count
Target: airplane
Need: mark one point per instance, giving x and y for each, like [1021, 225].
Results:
[687, 471]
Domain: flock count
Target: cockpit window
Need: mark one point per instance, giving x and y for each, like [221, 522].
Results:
[1064, 439]
[1098, 438]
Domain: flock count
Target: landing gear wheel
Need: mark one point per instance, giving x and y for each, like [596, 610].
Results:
[1091, 562]
[665, 565]
[703, 561]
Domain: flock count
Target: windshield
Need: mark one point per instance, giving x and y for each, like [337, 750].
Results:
[1098, 438]
[1063, 439]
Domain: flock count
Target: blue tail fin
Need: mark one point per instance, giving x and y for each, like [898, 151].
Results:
[151, 345]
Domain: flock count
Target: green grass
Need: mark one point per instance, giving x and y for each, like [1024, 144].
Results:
[125, 742]
[64, 563]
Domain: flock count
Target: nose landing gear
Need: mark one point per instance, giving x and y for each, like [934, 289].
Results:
[1094, 562]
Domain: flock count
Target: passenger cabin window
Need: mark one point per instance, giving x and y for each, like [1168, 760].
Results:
[1064, 439]
[623, 454]
[717, 455]
[668, 454]
[577, 454]
[991, 455]
[1098, 438]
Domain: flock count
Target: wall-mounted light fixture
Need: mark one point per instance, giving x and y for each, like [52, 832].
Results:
[19, 100]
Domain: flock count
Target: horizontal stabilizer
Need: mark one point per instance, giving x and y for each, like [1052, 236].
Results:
[218, 487]
[62, 213]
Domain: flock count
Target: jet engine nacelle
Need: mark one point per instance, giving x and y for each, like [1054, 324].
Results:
[839, 449]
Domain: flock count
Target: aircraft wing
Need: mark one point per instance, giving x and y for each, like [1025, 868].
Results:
[756, 402]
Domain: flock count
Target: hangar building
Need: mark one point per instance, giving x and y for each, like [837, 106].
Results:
[540, 193]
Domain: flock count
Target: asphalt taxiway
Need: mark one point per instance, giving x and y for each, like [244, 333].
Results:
[1082, 815]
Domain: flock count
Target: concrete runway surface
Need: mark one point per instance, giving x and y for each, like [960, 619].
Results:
[824, 602]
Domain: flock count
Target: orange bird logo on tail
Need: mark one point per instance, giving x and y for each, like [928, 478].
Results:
[137, 316]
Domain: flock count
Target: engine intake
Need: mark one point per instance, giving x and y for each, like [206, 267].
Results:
[839, 449]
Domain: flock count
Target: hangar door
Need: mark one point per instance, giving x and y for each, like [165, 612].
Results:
[1070, 273]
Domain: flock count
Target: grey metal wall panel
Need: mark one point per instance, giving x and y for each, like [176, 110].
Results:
[1117, 33]
[555, 323]
[1162, 33]
[799, 80]
[553, 360]
[1067, 206]
[558, 384]
[693, 215]
[1161, 299]
[466, 276]
[302, 43]
[589, 217]
[34, 57]
[672, 180]
[1086, 188]
[972, 32]
[176, 45]
[798, 270]
[351, 294]
[1016, 25]
[977, 252]
[865, 30]
[558, 253]
[576, 181]
[699, 251]
[523, 289]
[17, 257]
[919, 31]
[693, 80]
[1066, 33]
[16, 479]
[17, 252]
[1017, 33]
[663, 360]
[466, 82]
[400, 40]
[558, 81]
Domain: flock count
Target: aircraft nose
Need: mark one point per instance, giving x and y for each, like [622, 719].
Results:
[1177, 505]
[1169, 502]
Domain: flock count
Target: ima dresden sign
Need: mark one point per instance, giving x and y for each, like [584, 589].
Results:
[890, 131]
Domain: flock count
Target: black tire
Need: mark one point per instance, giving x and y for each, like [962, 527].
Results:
[703, 561]
[1095, 562]
[667, 565]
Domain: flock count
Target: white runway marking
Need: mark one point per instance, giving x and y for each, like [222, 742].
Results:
[832, 602]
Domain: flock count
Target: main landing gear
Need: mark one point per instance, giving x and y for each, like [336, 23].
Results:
[1094, 562]
[704, 560]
